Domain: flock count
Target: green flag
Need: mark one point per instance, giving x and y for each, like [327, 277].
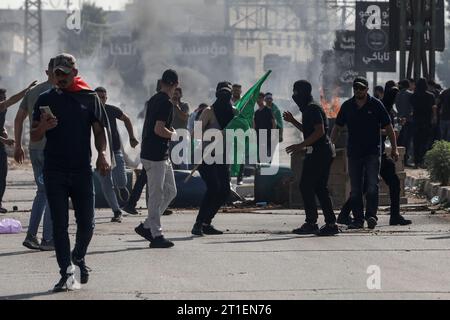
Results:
[244, 120]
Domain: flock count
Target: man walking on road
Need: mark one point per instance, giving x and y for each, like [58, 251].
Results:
[40, 205]
[157, 133]
[66, 115]
[364, 117]
[117, 179]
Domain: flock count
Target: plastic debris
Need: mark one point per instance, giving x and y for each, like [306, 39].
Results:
[10, 226]
[436, 200]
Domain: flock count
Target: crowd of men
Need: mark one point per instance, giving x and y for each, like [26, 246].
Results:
[64, 111]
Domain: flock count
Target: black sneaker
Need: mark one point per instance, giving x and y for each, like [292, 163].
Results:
[117, 217]
[399, 221]
[197, 229]
[31, 242]
[161, 243]
[167, 212]
[210, 230]
[84, 270]
[47, 245]
[123, 194]
[64, 284]
[328, 230]
[307, 228]
[143, 232]
[355, 225]
[371, 223]
[344, 219]
[130, 210]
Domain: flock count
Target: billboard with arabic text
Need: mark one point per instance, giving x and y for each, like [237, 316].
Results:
[372, 52]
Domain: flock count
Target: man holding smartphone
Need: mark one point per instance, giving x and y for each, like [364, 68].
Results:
[75, 111]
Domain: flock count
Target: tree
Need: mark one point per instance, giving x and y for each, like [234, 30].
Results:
[93, 31]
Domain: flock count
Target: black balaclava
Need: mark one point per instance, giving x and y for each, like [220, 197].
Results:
[223, 109]
[302, 94]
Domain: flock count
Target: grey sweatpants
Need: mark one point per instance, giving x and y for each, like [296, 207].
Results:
[161, 191]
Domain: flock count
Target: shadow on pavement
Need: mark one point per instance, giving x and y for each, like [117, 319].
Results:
[115, 251]
[25, 296]
[18, 253]
[439, 238]
[169, 238]
[262, 240]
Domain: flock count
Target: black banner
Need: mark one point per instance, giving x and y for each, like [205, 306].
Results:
[394, 37]
[339, 66]
[372, 51]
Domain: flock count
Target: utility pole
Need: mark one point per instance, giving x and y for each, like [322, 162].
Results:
[33, 50]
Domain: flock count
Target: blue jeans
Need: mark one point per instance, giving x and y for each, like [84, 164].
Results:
[364, 170]
[3, 171]
[115, 179]
[40, 206]
[445, 130]
[80, 188]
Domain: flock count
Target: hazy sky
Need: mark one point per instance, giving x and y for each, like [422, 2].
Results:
[61, 4]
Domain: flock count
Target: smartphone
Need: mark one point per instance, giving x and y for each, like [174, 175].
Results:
[46, 109]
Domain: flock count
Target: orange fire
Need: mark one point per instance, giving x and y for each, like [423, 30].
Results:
[332, 107]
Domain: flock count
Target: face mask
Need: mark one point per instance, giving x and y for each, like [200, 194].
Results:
[223, 96]
[299, 101]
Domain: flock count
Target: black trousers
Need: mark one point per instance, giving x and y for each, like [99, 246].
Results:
[314, 182]
[80, 188]
[390, 177]
[138, 187]
[422, 138]
[217, 179]
[405, 138]
[3, 172]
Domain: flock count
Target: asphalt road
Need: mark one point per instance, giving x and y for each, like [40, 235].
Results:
[257, 258]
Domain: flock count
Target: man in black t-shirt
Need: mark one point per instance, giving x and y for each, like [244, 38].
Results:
[317, 163]
[424, 117]
[117, 179]
[364, 117]
[264, 120]
[66, 115]
[156, 135]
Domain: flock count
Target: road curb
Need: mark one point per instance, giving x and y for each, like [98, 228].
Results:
[429, 188]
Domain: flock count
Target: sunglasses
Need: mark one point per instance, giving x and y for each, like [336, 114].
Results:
[60, 73]
[359, 88]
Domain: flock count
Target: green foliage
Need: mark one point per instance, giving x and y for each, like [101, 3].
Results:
[93, 28]
[437, 161]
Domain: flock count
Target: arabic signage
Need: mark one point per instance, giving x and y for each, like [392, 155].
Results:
[394, 36]
[122, 46]
[205, 53]
[372, 52]
[205, 46]
[344, 59]
[345, 40]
